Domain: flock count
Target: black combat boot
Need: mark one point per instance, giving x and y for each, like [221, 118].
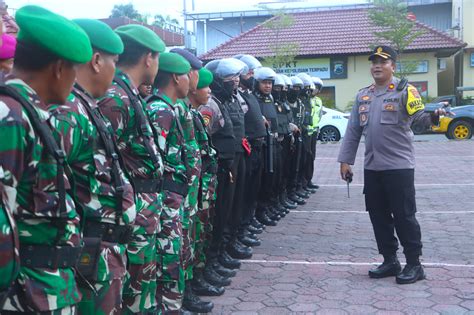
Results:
[238, 250]
[295, 198]
[221, 270]
[254, 230]
[257, 224]
[249, 239]
[193, 303]
[263, 218]
[212, 277]
[389, 268]
[309, 190]
[302, 194]
[312, 185]
[227, 261]
[203, 288]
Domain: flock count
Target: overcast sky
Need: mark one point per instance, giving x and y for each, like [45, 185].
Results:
[174, 8]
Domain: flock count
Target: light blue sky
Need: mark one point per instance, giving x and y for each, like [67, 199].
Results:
[174, 8]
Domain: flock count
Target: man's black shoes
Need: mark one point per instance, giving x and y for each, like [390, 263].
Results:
[411, 274]
[389, 268]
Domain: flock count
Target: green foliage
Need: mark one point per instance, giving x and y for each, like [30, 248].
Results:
[165, 21]
[390, 17]
[327, 102]
[283, 51]
[348, 107]
[125, 10]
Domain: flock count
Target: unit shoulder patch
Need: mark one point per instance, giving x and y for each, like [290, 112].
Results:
[414, 101]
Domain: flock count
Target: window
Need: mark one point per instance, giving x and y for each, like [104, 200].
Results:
[441, 64]
[472, 59]
[413, 66]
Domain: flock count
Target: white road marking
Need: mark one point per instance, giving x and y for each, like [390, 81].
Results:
[361, 212]
[345, 263]
[417, 185]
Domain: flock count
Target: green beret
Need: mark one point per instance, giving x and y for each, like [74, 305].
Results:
[55, 33]
[205, 78]
[142, 35]
[102, 36]
[174, 63]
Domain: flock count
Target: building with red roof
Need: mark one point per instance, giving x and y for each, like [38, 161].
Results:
[334, 45]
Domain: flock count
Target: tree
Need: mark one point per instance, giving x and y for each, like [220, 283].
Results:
[166, 22]
[392, 18]
[284, 51]
[126, 10]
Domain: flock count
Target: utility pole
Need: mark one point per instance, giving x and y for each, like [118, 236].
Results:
[185, 24]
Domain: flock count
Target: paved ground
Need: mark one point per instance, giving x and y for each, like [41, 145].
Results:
[316, 260]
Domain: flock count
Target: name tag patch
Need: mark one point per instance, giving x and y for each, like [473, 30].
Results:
[389, 107]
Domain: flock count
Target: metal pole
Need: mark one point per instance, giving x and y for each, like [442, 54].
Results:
[185, 25]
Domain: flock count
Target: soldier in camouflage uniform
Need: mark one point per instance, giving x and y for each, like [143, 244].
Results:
[172, 83]
[124, 107]
[191, 302]
[101, 191]
[32, 165]
[207, 188]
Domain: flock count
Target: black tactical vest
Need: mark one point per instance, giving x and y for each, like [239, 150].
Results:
[268, 110]
[223, 139]
[254, 124]
[238, 122]
[283, 122]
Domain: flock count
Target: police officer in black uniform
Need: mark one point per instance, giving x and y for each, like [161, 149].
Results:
[255, 133]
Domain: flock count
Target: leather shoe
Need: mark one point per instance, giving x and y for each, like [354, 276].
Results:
[249, 241]
[290, 205]
[263, 218]
[228, 262]
[254, 230]
[312, 186]
[212, 277]
[302, 194]
[221, 270]
[193, 303]
[411, 274]
[300, 201]
[310, 190]
[257, 224]
[238, 250]
[387, 269]
[201, 287]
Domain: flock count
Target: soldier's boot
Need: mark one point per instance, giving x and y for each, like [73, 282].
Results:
[309, 190]
[284, 202]
[227, 261]
[257, 224]
[263, 218]
[252, 229]
[193, 303]
[389, 268]
[221, 270]
[273, 214]
[302, 194]
[238, 250]
[312, 185]
[248, 239]
[203, 288]
[295, 198]
[214, 278]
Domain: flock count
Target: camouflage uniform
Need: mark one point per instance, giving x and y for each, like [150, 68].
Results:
[140, 285]
[95, 195]
[33, 173]
[165, 121]
[193, 156]
[206, 193]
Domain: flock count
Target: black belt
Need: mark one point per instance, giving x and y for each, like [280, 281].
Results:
[49, 256]
[108, 232]
[178, 188]
[147, 185]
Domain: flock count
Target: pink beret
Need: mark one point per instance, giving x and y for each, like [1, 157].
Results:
[7, 49]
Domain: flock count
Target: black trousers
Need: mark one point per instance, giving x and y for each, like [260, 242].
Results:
[253, 176]
[309, 168]
[238, 199]
[283, 166]
[225, 195]
[306, 158]
[390, 201]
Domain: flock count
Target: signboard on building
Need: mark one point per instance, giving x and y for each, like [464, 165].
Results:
[324, 68]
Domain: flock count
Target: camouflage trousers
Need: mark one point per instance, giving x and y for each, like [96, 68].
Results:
[106, 299]
[189, 243]
[203, 219]
[70, 310]
[170, 274]
[139, 292]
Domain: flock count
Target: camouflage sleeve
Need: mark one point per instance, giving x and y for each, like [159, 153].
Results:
[162, 119]
[70, 129]
[208, 117]
[13, 146]
[115, 109]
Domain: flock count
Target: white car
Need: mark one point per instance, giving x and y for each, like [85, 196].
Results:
[332, 126]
